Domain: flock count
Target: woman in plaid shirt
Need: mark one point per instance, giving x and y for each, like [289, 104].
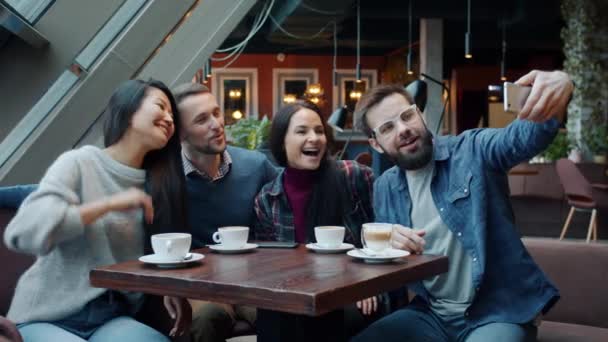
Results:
[313, 190]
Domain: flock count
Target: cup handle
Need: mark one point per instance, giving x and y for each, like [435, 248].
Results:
[169, 246]
[216, 237]
[363, 238]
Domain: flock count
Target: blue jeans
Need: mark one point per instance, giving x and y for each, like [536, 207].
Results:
[123, 328]
[419, 323]
[103, 319]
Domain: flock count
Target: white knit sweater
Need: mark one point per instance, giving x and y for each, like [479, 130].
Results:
[49, 225]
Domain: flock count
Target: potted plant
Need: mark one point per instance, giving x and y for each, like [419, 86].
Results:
[584, 47]
[557, 149]
[250, 133]
[597, 142]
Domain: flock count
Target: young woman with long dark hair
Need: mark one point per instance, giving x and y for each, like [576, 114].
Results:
[97, 207]
[313, 189]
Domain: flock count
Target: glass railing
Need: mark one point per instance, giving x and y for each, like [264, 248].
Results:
[30, 10]
[69, 78]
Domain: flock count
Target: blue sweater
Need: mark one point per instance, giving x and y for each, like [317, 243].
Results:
[229, 200]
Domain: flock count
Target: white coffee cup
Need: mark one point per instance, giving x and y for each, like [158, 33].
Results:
[231, 237]
[377, 236]
[171, 246]
[329, 236]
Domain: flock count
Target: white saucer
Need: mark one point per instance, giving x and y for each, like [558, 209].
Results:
[153, 259]
[230, 250]
[387, 256]
[319, 249]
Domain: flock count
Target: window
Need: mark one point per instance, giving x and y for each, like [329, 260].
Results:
[237, 92]
[347, 93]
[289, 85]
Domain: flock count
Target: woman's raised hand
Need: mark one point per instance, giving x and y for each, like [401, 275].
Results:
[132, 198]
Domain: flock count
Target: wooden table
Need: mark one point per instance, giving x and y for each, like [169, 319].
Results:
[279, 282]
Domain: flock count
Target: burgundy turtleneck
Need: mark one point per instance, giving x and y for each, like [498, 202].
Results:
[298, 187]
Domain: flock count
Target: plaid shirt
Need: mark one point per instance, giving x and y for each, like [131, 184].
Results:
[275, 217]
[225, 164]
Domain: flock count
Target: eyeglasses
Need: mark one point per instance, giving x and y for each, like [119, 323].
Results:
[408, 117]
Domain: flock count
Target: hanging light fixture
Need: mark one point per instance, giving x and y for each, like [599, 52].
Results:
[335, 62]
[409, 44]
[355, 95]
[204, 72]
[208, 64]
[314, 89]
[358, 70]
[198, 77]
[315, 94]
[467, 35]
[503, 61]
[357, 91]
[289, 98]
[234, 94]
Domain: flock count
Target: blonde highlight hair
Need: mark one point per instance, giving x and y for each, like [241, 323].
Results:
[184, 90]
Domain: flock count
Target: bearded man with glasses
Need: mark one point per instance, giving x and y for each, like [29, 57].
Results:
[449, 195]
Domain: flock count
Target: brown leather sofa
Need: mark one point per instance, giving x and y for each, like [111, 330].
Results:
[580, 271]
[13, 264]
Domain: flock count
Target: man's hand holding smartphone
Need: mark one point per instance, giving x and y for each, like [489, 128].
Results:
[549, 96]
[515, 97]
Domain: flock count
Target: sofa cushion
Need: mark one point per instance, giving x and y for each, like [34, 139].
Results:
[580, 272]
[566, 332]
[13, 264]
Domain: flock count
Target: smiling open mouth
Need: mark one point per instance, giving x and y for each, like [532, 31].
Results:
[311, 152]
[409, 141]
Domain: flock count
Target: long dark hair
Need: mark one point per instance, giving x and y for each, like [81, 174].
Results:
[329, 198]
[165, 180]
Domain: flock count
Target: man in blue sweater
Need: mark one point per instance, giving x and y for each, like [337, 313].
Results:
[449, 195]
[222, 182]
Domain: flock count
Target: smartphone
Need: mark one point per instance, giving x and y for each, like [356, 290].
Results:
[515, 97]
[276, 244]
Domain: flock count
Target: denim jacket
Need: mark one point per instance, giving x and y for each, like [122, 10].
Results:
[470, 189]
[275, 216]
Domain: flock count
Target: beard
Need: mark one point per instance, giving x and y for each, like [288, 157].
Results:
[211, 149]
[418, 159]
[205, 147]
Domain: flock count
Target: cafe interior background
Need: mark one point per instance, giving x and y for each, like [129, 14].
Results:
[330, 52]
[259, 55]
[61, 60]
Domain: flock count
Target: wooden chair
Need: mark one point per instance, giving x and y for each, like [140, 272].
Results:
[579, 193]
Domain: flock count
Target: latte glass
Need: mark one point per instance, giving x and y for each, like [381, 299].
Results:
[376, 236]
